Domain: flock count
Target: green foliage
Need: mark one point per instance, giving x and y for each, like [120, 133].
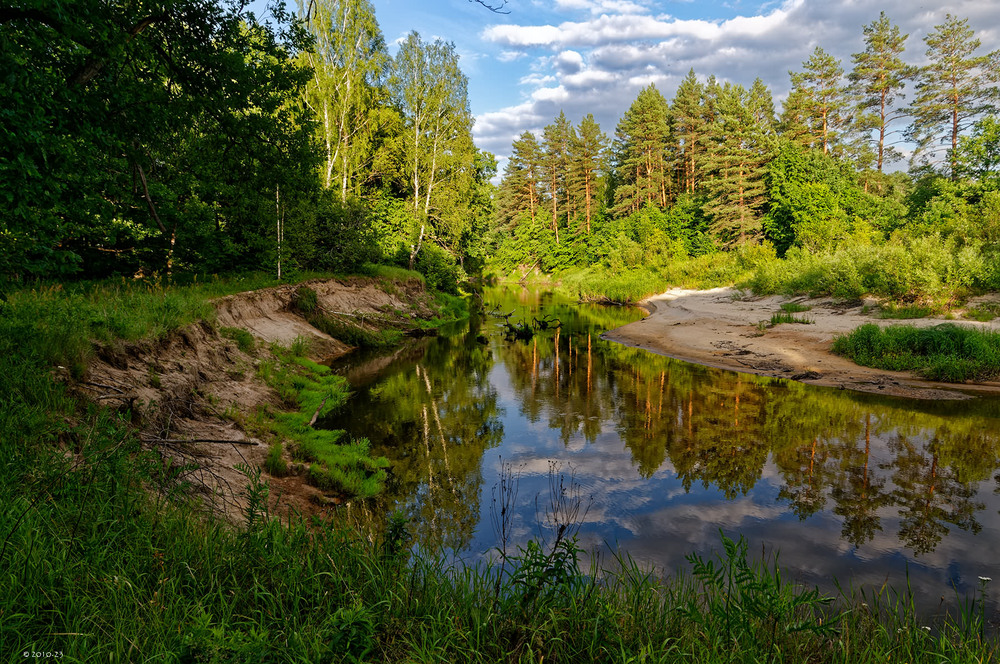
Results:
[785, 317]
[143, 104]
[334, 235]
[439, 268]
[905, 311]
[310, 388]
[794, 307]
[354, 333]
[747, 607]
[946, 352]
[244, 340]
[305, 300]
[984, 312]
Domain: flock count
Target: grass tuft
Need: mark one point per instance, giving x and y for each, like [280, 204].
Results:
[946, 352]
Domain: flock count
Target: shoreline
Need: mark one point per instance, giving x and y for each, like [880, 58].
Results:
[720, 328]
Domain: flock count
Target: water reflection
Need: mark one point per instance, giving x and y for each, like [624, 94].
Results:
[843, 484]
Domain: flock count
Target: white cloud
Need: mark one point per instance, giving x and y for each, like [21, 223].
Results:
[511, 56]
[598, 63]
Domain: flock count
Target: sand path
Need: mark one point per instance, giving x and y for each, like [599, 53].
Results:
[719, 328]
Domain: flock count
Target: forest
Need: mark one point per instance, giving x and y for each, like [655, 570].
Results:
[719, 169]
[199, 138]
[172, 137]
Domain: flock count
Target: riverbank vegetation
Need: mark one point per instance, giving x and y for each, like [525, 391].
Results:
[946, 352]
[796, 201]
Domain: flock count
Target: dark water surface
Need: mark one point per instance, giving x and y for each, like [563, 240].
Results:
[860, 488]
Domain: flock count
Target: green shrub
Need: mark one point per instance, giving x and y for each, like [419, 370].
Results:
[244, 340]
[946, 352]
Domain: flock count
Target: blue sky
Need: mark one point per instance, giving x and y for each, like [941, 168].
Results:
[593, 56]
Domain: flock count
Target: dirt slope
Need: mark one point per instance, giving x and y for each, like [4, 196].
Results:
[193, 385]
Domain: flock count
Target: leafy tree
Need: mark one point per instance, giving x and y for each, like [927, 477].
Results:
[146, 136]
[978, 155]
[879, 75]
[433, 92]
[348, 62]
[955, 88]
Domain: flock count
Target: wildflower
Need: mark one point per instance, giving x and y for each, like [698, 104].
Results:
[985, 579]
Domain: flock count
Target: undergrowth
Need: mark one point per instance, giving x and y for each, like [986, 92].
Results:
[946, 352]
[310, 391]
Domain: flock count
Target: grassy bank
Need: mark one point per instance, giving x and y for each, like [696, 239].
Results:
[103, 557]
[947, 352]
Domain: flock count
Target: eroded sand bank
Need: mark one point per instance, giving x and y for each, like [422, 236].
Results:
[719, 328]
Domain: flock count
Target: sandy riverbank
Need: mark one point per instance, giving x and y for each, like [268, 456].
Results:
[719, 328]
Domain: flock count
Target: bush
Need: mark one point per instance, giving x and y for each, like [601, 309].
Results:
[946, 352]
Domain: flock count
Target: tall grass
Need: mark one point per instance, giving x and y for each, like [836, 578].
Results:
[103, 558]
[946, 352]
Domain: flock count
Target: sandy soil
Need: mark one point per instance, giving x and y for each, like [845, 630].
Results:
[719, 328]
[189, 393]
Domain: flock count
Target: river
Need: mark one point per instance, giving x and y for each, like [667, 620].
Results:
[658, 456]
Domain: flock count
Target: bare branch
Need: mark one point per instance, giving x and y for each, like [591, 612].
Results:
[495, 8]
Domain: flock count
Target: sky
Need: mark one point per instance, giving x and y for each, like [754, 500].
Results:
[594, 56]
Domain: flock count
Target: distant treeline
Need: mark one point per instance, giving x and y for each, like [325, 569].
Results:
[717, 168]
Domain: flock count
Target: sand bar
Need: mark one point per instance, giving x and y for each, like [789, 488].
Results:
[720, 328]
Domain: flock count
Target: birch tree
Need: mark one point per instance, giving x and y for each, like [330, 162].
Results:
[348, 62]
[432, 92]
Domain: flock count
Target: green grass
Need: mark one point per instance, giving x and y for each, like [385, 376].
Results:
[794, 307]
[244, 340]
[945, 352]
[785, 317]
[310, 392]
[984, 312]
[104, 558]
[637, 283]
[894, 311]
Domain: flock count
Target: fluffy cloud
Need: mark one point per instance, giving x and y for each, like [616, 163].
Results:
[599, 62]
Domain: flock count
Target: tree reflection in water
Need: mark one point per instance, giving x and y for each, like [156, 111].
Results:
[863, 461]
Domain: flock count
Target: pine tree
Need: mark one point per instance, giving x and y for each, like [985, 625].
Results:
[588, 160]
[557, 138]
[522, 175]
[879, 77]
[819, 102]
[640, 152]
[741, 147]
[689, 128]
[955, 88]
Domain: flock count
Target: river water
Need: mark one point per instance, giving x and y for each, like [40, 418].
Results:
[662, 455]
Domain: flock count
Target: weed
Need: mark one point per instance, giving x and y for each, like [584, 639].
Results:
[894, 311]
[784, 317]
[794, 307]
[305, 300]
[945, 352]
[275, 463]
[984, 312]
[244, 340]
